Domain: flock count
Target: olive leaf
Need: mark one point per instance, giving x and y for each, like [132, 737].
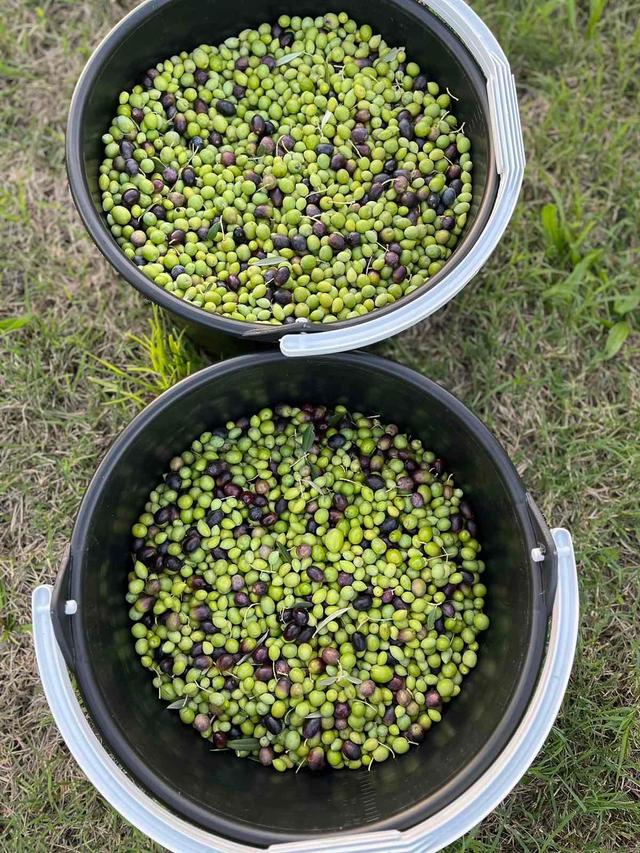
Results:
[431, 618]
[178, 704]
[308, 437]
[305, 604]
[325, 119]
[244, 743]
[313, 486]
[203, 528]
[341, 676]
[274, 260]
[330, 618]
[286, 557]
[215, 229]
[392, 54]
[288, 57]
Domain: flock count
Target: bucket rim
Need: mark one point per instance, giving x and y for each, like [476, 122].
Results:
[96, 227]
[98, 708]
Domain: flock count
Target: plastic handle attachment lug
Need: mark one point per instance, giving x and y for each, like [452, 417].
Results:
[427, 837]
[510, 160]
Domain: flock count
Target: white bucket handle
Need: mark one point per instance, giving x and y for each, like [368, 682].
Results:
[431, 835]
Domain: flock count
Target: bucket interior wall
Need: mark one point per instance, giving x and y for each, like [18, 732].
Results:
[175, 25]
[239, 798]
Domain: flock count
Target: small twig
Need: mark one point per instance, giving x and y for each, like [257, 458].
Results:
[280, 138]
[353, 145]
[299, 460]
[349, 201]
[369, 619]
[364, 702]
[386, 746]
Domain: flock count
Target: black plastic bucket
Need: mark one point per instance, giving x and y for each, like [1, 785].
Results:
[240, 799]
[160, 28]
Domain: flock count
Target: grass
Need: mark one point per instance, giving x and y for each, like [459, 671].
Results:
[544, 346]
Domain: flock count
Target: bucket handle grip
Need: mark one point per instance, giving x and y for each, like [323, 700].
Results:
[510, 161]
[431, 835]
